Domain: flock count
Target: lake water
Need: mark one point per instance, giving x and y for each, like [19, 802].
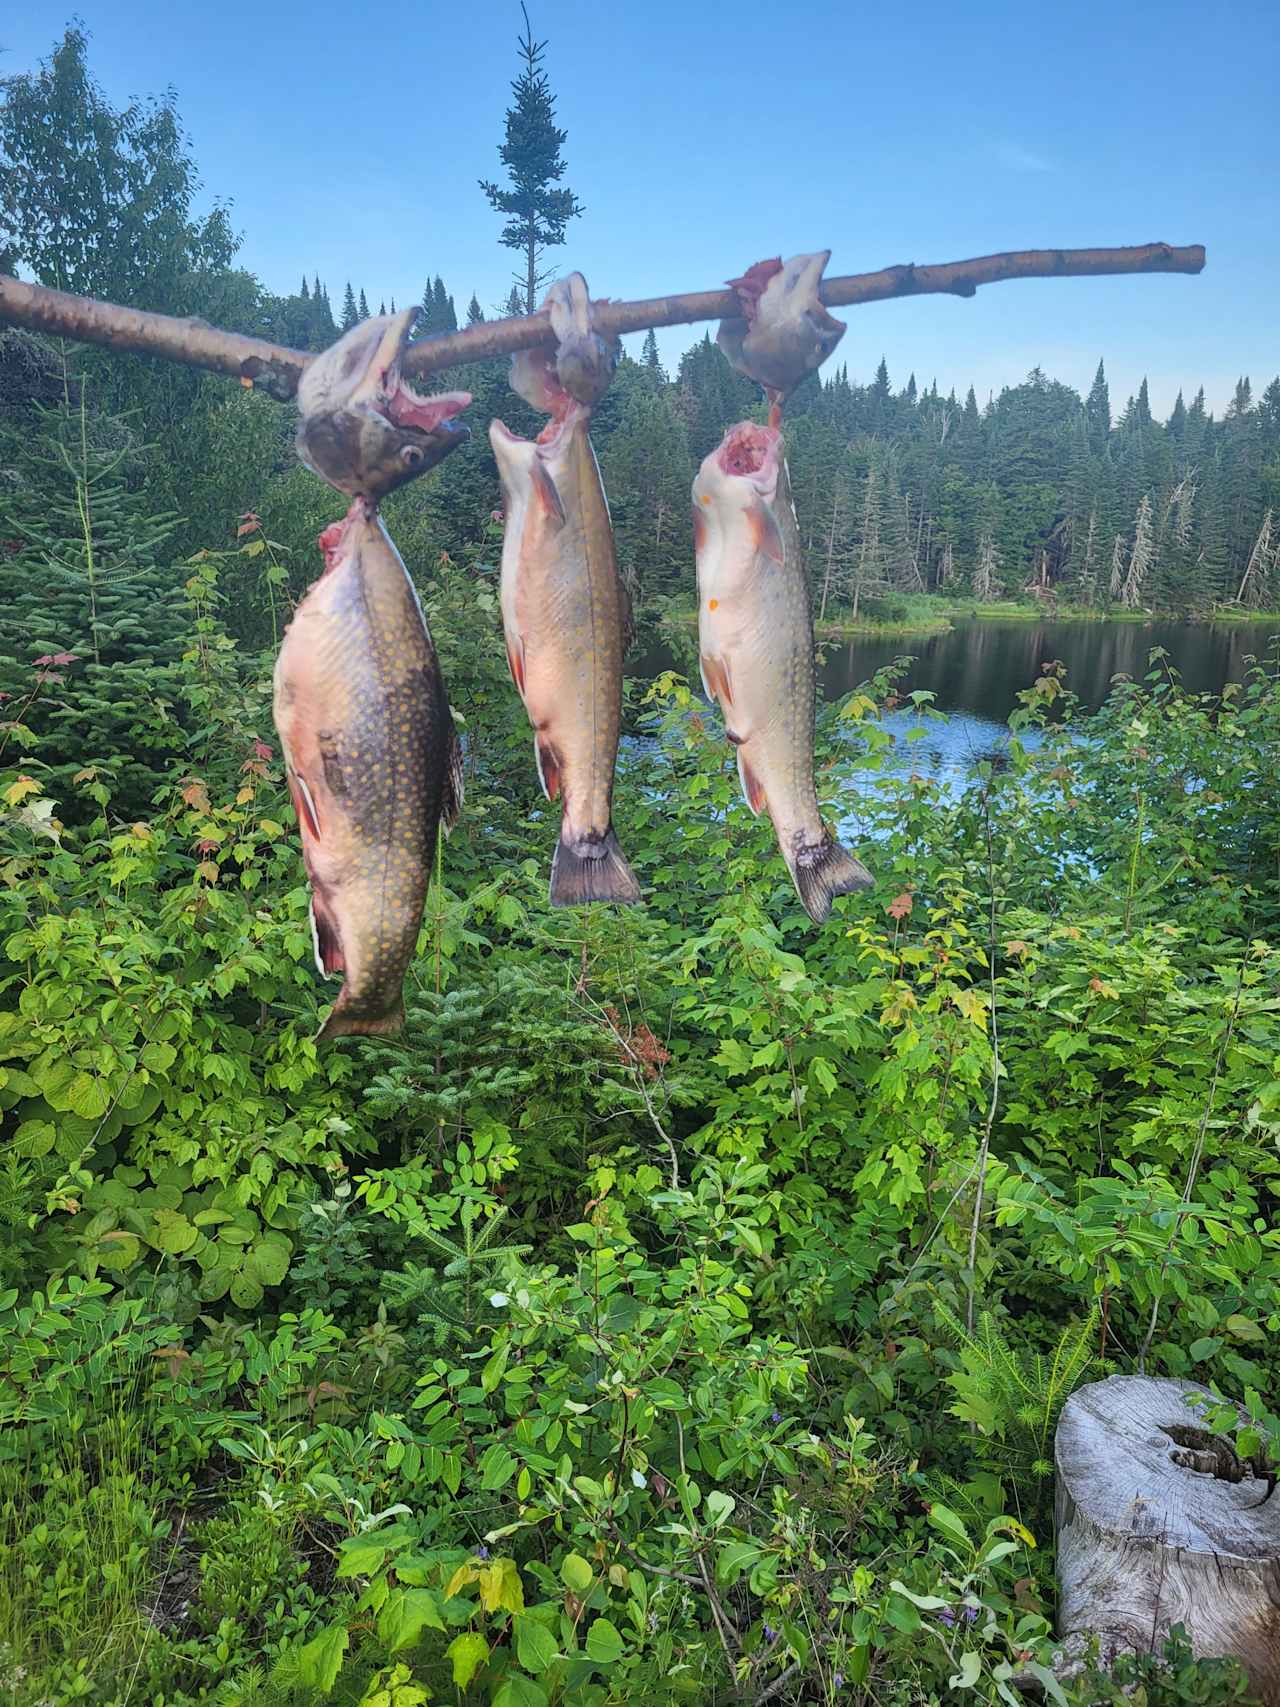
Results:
[977, 669]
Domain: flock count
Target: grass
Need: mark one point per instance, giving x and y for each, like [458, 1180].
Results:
[78, 1536]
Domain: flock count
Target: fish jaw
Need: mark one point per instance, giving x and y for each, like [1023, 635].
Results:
[578, 368]
[361, 426]
[785, 331]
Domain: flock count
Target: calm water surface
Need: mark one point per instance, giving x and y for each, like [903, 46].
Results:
[977, 670]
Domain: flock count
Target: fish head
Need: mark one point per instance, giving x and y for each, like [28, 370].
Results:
[578, 368]
[361, 426]
[747, 463]
[785, 330]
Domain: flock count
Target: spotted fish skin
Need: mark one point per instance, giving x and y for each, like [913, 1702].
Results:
[755, 640]
[373, 765]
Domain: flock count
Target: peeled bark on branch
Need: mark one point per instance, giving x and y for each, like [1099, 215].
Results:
[1159, 1524]
[276, 369]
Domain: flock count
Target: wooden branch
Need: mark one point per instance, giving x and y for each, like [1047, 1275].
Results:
[273, 367]
[276, 369]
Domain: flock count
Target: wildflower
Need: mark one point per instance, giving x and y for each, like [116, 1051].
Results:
[775, 1415]
[770, 1634]
[837, 1680]
[482, 1552]
[948, 1617]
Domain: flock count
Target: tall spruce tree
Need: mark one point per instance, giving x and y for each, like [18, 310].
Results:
[349, 311]
[1097, 411]
[475, 314]
[537, 212]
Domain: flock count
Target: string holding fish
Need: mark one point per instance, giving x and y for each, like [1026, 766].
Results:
[565, 612]
[785, 332]
[371, 753]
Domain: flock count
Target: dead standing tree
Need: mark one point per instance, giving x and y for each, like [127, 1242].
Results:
[276, 369]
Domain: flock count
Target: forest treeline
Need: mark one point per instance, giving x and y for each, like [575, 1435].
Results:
[900, 490]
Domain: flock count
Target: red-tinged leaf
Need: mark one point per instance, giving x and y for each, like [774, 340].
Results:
[66, 657]
[196, 795]
[901, 905]
[261, 750]
[250, 522]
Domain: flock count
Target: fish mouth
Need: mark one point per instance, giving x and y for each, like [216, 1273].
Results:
[432, 420]
[751, 452]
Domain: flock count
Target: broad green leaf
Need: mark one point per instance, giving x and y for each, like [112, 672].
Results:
[970, 1671]
[535, 1645]
[604, 1642]
[943, 1518]
[320, 1660]
[406, 1614]
[518, 1691]
[467, 1653]
[576, 1573]
[500, 1586]
[719, 1508]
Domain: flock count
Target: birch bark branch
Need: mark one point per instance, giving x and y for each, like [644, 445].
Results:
[276, 369]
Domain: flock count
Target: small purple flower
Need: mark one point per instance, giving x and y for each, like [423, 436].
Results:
[837, 1681]
[775, 1416]
[770, 1634]
[970, 1613]
[482, 1552]
[948, 1617]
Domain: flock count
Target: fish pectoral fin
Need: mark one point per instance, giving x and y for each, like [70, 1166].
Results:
[544, 489]
[304, 805]
[548, 762]
[515, 661]
[699, 530]
[752, 788]
[451, 801]
[715, 679]
[326, 939]
[766, 536]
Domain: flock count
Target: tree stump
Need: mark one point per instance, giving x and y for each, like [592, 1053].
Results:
[1158, 1525]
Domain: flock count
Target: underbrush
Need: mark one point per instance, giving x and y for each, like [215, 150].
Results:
[681, 1308]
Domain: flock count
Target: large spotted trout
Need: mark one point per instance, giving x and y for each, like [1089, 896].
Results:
[371, 752]
[755, 639]
[564, 609]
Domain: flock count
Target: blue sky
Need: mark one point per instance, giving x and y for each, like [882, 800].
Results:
[702, 137]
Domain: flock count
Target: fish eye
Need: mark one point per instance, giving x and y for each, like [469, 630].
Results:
[411, 456]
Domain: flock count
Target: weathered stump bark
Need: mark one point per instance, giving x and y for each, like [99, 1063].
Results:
[1152, 1531]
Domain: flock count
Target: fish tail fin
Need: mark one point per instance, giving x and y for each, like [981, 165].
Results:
[592, 869]
[343, 1023]
[822, 872]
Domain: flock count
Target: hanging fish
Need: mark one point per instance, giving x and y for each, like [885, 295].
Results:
[565, 611]
[755, 640]
[371, 752]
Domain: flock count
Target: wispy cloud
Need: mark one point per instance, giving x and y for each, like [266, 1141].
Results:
[1019, 159]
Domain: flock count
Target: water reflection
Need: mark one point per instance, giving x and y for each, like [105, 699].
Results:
[979, 668]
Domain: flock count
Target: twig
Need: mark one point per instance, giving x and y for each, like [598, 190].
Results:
[276, 369]
[778, 1685]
